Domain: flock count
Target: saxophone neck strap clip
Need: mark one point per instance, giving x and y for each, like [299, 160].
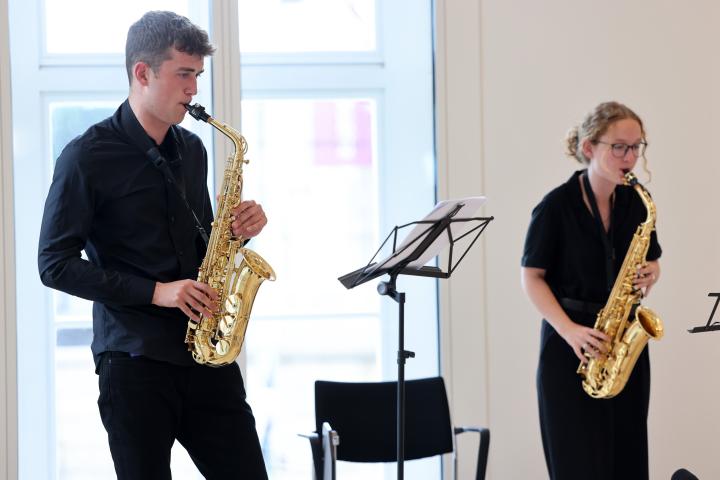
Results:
[156, 157]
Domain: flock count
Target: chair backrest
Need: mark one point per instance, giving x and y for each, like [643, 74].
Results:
[683, 474]
[365, 417]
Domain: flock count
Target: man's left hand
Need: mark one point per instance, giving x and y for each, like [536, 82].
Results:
[248, 219]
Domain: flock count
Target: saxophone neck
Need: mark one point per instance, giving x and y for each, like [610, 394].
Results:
[649, 205]
[198, 112]
[231, 133]
[631, 180]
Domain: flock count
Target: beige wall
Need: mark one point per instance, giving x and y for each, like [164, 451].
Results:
[535, 68]
[8, 403]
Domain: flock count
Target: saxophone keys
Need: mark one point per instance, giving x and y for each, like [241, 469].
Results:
[226, 325]
[232, 304]
[222, 347]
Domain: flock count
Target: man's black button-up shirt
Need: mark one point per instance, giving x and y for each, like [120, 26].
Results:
[108, 199]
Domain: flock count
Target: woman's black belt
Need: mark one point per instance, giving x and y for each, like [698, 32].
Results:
[581, 306]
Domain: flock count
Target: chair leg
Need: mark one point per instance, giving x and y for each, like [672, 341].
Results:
[316, 449]
[483, 449]
[324, 452]
[330, 441]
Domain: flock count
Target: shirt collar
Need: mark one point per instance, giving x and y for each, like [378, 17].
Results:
[127, 125]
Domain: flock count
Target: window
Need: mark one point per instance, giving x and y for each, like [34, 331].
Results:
[337, 112]
[62, 83]
[339, 122]
[277, 26]
[68, 24]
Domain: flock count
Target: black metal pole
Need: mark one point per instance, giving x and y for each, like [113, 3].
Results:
[388, 288]
[401, 388]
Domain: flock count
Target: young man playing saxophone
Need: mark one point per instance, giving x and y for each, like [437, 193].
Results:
[143, 249]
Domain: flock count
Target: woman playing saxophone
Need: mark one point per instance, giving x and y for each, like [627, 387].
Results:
[575, 246]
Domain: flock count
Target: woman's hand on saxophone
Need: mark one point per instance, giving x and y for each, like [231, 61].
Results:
[647, 276]
[584, 341]
[193, 298]
[581, 339]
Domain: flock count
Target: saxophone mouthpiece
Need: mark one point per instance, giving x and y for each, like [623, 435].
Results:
[630, 178]
[198, 112]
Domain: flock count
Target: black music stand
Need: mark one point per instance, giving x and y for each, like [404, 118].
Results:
[710, 326]
[429, 237]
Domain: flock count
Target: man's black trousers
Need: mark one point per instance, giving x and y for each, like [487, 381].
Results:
[146, 405]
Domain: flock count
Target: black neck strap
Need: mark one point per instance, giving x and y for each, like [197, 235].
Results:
[607, 237]
[157, 159]
[129, 127]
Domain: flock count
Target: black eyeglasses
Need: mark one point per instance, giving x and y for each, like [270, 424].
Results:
[619, 150]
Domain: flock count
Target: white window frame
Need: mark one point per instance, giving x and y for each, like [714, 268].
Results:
[43, 78]
[374, 74]
[384, 76]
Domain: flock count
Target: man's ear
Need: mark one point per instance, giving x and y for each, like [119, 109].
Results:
[141, 73]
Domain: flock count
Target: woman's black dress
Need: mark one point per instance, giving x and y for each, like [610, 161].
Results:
[586, 438]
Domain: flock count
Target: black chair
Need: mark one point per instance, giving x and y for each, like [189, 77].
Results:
[364, 416]
[683, 474]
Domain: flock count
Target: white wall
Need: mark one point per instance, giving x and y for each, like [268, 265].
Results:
[532, 70]
[8, 403]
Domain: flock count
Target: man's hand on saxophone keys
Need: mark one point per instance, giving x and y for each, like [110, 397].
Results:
[248, 219]
[193, 298]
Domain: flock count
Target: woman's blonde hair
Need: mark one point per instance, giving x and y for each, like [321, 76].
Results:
[594, 126]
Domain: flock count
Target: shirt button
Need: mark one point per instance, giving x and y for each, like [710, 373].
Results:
[172, 218]
[180, 252]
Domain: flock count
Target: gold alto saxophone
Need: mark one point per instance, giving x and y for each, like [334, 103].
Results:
[233, 271]
[606, 376]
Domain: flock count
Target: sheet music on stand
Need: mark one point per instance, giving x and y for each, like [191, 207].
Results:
[461, 224]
